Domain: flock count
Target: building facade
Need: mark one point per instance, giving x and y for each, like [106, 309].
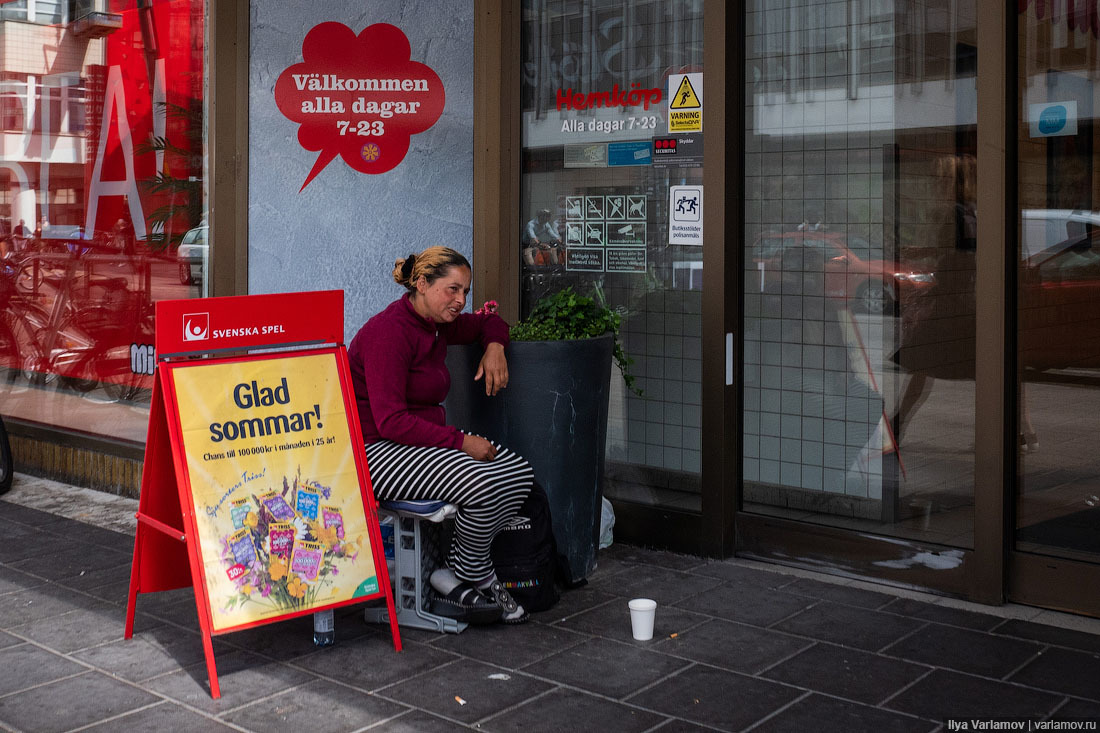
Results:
[861, 303]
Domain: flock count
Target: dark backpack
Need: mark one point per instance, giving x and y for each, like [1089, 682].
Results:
[525, 555]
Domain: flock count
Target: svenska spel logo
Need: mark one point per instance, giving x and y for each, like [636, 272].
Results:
[196, 326]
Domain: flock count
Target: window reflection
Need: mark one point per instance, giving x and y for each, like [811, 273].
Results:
[101, 161]
[1058, 286]
[596, 214]
[859, 266]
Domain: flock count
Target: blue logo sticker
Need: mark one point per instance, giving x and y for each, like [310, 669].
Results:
[635, 152]
[1052, 119]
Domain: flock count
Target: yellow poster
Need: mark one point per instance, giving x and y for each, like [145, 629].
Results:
[275, 492]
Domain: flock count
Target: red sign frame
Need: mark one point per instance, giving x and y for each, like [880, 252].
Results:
[167, 551]
[239, 322]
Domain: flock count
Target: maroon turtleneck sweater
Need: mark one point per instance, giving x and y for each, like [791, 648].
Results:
[400, 377]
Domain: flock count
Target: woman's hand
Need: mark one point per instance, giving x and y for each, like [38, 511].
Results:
[478, 448]
[494, 367]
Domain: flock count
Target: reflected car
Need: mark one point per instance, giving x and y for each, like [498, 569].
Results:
[63, 231]
[835, 265]
[193, 254]
[1059, 304]
[1052, 229]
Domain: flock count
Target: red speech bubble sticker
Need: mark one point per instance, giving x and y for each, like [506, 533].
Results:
[359, 97]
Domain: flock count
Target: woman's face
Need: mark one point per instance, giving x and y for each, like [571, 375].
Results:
[443, 299]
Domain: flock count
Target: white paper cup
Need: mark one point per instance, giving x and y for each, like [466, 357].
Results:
[642, 611]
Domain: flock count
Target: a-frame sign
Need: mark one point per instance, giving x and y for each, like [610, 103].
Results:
[255, 489]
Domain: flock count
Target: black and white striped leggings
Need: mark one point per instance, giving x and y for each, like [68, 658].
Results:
[487, 493]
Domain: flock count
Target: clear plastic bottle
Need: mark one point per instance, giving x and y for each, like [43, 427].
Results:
[324, 630]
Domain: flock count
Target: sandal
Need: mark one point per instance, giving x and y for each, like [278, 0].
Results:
[466, 603]
[513, 613]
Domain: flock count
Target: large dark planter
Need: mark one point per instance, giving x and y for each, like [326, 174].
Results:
[553, 413]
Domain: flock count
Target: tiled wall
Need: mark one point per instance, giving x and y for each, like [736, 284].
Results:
[662, 428]
[814, 161]
[35, 49]
[857, 130]
[660, 330]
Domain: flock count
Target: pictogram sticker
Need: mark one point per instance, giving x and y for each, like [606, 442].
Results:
[685, 96]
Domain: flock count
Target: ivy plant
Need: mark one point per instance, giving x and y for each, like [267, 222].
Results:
[567, 315]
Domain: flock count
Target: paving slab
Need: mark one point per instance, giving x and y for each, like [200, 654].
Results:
[72, 702]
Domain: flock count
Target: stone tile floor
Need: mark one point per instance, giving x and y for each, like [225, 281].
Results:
[738, 646]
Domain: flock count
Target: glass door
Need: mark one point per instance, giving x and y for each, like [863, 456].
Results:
[611, 205]
[1057, 501]
[859, 267]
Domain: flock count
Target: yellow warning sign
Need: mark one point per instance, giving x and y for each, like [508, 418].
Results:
[685, 121]
[685, 97]
[685, 105]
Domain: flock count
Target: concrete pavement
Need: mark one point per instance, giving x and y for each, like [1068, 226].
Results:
[738, 646]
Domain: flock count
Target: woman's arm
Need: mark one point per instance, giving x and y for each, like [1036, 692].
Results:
[494, 367]
[491, 331]
[484, 328]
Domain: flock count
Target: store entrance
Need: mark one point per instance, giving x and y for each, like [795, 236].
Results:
[859, 264]
[1054, 560]
[607, 176]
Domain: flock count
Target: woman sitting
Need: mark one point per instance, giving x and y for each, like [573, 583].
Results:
[400, 378]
